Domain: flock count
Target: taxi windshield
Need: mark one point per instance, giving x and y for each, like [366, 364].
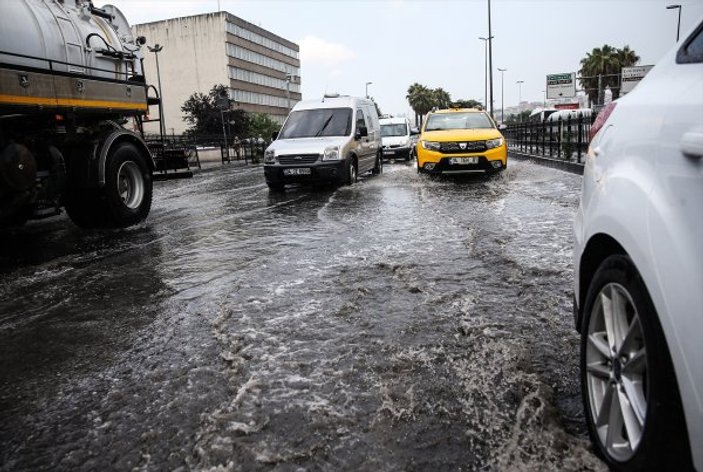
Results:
[443, 121]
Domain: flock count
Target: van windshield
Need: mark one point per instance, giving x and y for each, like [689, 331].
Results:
[440, 121]
[394, 130]
[319, 122]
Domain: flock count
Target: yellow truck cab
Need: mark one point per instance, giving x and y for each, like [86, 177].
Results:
[460, 141]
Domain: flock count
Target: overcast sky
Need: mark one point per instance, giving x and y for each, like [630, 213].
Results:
[394, 43]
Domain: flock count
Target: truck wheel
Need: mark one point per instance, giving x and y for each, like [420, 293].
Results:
[128, 186]
[125, 199]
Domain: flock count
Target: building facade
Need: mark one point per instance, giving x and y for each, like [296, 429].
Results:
[261, 69]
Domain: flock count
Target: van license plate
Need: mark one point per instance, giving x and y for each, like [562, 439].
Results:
[297, 171]
[463, 160]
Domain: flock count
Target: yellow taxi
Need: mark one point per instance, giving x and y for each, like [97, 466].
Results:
[460, 141]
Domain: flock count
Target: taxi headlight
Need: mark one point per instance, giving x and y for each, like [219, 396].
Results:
[431, 145]
[494, 143]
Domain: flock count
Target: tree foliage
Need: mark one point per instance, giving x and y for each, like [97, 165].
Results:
[467, 103]
[204, 117]
[262, 126]
[420, 99]
[606, 61]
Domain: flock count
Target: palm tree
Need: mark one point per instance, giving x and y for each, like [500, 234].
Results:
[442, 99]
[607, 63]
[420, 99]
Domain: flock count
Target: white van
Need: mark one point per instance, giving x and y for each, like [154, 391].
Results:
[333, 139]
[397, 138]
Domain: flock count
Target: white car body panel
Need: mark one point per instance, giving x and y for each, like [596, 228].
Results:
[643, 191]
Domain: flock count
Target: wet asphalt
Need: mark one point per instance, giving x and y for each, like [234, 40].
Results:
[402, 323]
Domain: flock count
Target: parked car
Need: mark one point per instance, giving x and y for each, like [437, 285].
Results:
[329, 140]
[460, 141]
[638, 263]
[397, 138]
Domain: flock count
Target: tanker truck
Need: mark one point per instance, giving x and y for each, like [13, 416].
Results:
[73, 98]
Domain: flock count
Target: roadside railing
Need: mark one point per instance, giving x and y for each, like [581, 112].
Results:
[563, 138]
[247, 149]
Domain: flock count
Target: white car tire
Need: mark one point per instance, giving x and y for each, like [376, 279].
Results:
[631, 400]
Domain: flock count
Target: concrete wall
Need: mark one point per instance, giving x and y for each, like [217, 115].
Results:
[194, 59]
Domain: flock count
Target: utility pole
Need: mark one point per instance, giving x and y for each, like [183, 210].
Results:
[490, 58]
[502, 96]
[519, 99]
[367, 88]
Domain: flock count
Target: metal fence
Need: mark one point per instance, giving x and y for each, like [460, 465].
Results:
[248, 149]
[565, 139]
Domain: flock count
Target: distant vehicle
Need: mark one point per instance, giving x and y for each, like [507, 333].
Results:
[329, 140]
[70, 75]
[460, 141]
[397, 138]
[539, 115]
[638, 270]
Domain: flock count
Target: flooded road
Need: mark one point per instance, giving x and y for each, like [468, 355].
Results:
[403, 323]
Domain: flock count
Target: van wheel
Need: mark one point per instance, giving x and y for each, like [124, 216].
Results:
[378, 168]
[351, 171]
[631, 400]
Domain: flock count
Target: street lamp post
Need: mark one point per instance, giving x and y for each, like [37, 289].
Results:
[519, 97]
[502, 96]
[490, 57]
[678, 25]
[288, 78]
[485, 71]
[367, 88]
[544, 103]
[162, 123]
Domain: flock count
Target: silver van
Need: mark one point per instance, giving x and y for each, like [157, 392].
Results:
[333, 139]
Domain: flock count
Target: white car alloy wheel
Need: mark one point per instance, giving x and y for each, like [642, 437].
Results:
[616, 377]
[631, 400]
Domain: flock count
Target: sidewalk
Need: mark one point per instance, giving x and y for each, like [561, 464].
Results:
[568, 166]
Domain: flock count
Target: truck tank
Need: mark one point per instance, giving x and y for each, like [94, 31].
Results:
[71, 79]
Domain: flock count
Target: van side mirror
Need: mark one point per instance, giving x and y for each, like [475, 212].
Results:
[414, 131]
[274, 135]
[361, 132]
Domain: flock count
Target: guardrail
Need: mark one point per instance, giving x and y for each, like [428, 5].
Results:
[565, 139]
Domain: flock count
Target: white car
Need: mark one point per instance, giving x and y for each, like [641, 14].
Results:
[638, 260]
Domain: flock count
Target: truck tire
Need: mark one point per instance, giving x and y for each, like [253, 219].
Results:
[123, 201]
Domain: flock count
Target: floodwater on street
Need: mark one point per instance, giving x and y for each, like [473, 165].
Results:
[402, 323]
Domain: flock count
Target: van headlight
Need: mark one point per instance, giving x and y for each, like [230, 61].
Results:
[331, 154]
[431, 145]
[494, 143]
[270, 156]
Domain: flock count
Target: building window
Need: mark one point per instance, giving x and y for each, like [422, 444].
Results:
[254, 98]
[261, 79]
[261, 40]
[256, 58]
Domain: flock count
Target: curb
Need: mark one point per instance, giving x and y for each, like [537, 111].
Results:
[573, 167]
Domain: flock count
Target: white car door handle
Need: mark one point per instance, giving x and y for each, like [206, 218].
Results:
[692, 144]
